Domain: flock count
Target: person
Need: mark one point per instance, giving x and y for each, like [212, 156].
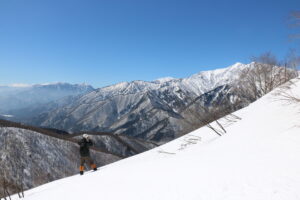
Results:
[85, 143]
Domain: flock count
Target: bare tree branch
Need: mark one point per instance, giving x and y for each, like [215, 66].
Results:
[266, 74]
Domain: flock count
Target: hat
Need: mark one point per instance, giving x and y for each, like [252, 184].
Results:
[86, 136]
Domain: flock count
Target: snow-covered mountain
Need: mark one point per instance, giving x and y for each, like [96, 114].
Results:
[257, 158]
[30, 97]
[150, 110]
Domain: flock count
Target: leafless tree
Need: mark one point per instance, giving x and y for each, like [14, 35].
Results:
[291, 64]
[5, 189]
[284, 93]
[4, 186]
[292, 61]
[19, 184]
[295, 22]
[207, 116]
[296, 16]
[265, 74]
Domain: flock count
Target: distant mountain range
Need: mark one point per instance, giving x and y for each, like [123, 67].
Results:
[23, 96]
[19, 102]
[158, 110]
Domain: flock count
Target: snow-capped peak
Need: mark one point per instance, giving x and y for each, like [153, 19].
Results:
[163, 80]
[232, 68]
[197, 83]
[207, 80]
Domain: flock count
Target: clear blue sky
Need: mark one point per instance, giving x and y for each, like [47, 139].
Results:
[102, 42]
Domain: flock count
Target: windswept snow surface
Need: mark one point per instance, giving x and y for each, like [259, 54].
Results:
[257, 159]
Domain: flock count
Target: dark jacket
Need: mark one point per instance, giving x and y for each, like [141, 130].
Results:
[85, 147]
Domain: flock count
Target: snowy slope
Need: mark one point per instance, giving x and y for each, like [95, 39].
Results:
[257, 159]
